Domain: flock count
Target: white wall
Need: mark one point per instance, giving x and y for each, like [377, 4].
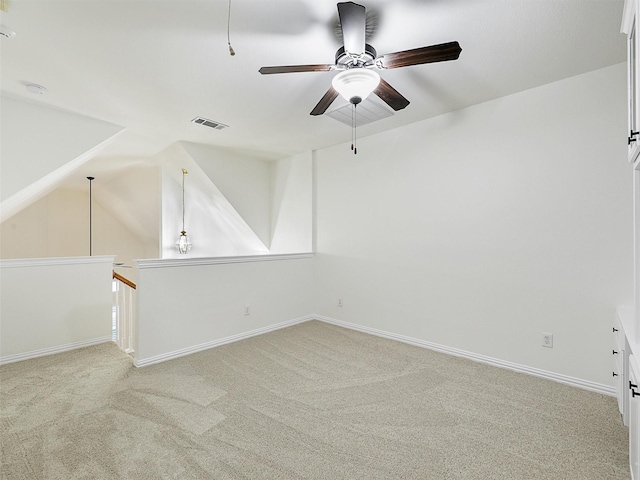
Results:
[51, 142]
[58, 226]
[270, 211]
[291, 204]
[185, 307]
[50, 305]
[212, 223]
[132, 196]
[242, 179]
[483, 228]
[477, 230]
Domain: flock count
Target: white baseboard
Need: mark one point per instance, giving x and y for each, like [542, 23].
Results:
[574, 382]
[216, 343]
[18, 357]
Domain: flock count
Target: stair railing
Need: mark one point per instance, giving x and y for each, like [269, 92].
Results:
[123, 312]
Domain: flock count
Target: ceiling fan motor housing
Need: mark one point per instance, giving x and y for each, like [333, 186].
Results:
[350, 60]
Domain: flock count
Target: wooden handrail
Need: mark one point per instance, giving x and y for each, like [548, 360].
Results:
[124, 280]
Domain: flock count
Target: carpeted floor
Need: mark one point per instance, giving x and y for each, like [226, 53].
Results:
[313, 401]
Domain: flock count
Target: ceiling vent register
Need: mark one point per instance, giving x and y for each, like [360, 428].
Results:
[371, 110]
[209, 123]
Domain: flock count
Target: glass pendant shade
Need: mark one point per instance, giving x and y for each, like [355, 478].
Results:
[183, 243]
[356, 84]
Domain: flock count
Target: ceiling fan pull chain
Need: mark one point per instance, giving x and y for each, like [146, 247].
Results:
[352, 126]
[354, 140]
[355, 129]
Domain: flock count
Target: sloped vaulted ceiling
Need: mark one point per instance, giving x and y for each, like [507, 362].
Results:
[149, 68]
[153, 66]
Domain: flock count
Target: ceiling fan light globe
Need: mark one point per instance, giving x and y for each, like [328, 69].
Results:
[355, 84]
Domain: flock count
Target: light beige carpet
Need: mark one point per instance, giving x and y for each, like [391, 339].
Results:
[313, 401]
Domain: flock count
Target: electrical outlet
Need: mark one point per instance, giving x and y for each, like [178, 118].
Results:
[339, 302]
[547, 340]
[247, 310]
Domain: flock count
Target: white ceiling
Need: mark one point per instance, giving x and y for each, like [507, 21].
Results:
[152, 66]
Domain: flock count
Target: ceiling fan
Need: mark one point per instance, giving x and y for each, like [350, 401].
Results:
[357, 61]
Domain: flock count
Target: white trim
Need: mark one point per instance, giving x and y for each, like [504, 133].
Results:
[45, 262]
[186, 262]
[18, 357]
[557, 377]
[627, 16]
[216, 343]
[572, 381]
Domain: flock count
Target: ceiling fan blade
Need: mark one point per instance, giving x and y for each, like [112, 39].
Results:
[417, 56]
[353, 22]
[390, 96]
[296, 68]
[325, 101]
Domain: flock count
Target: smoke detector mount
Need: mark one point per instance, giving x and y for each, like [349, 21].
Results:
[6, 32]
[35, 88]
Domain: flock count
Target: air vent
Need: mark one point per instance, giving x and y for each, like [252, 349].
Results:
[209, 123]
[371, 110]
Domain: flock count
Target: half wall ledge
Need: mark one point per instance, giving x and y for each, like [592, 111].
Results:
[185, 262]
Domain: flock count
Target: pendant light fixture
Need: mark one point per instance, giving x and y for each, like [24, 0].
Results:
[183, 243]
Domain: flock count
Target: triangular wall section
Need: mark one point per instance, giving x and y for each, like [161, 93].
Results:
[213, 224]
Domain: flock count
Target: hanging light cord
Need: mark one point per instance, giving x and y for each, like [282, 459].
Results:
[183, 174]
[231, 50]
